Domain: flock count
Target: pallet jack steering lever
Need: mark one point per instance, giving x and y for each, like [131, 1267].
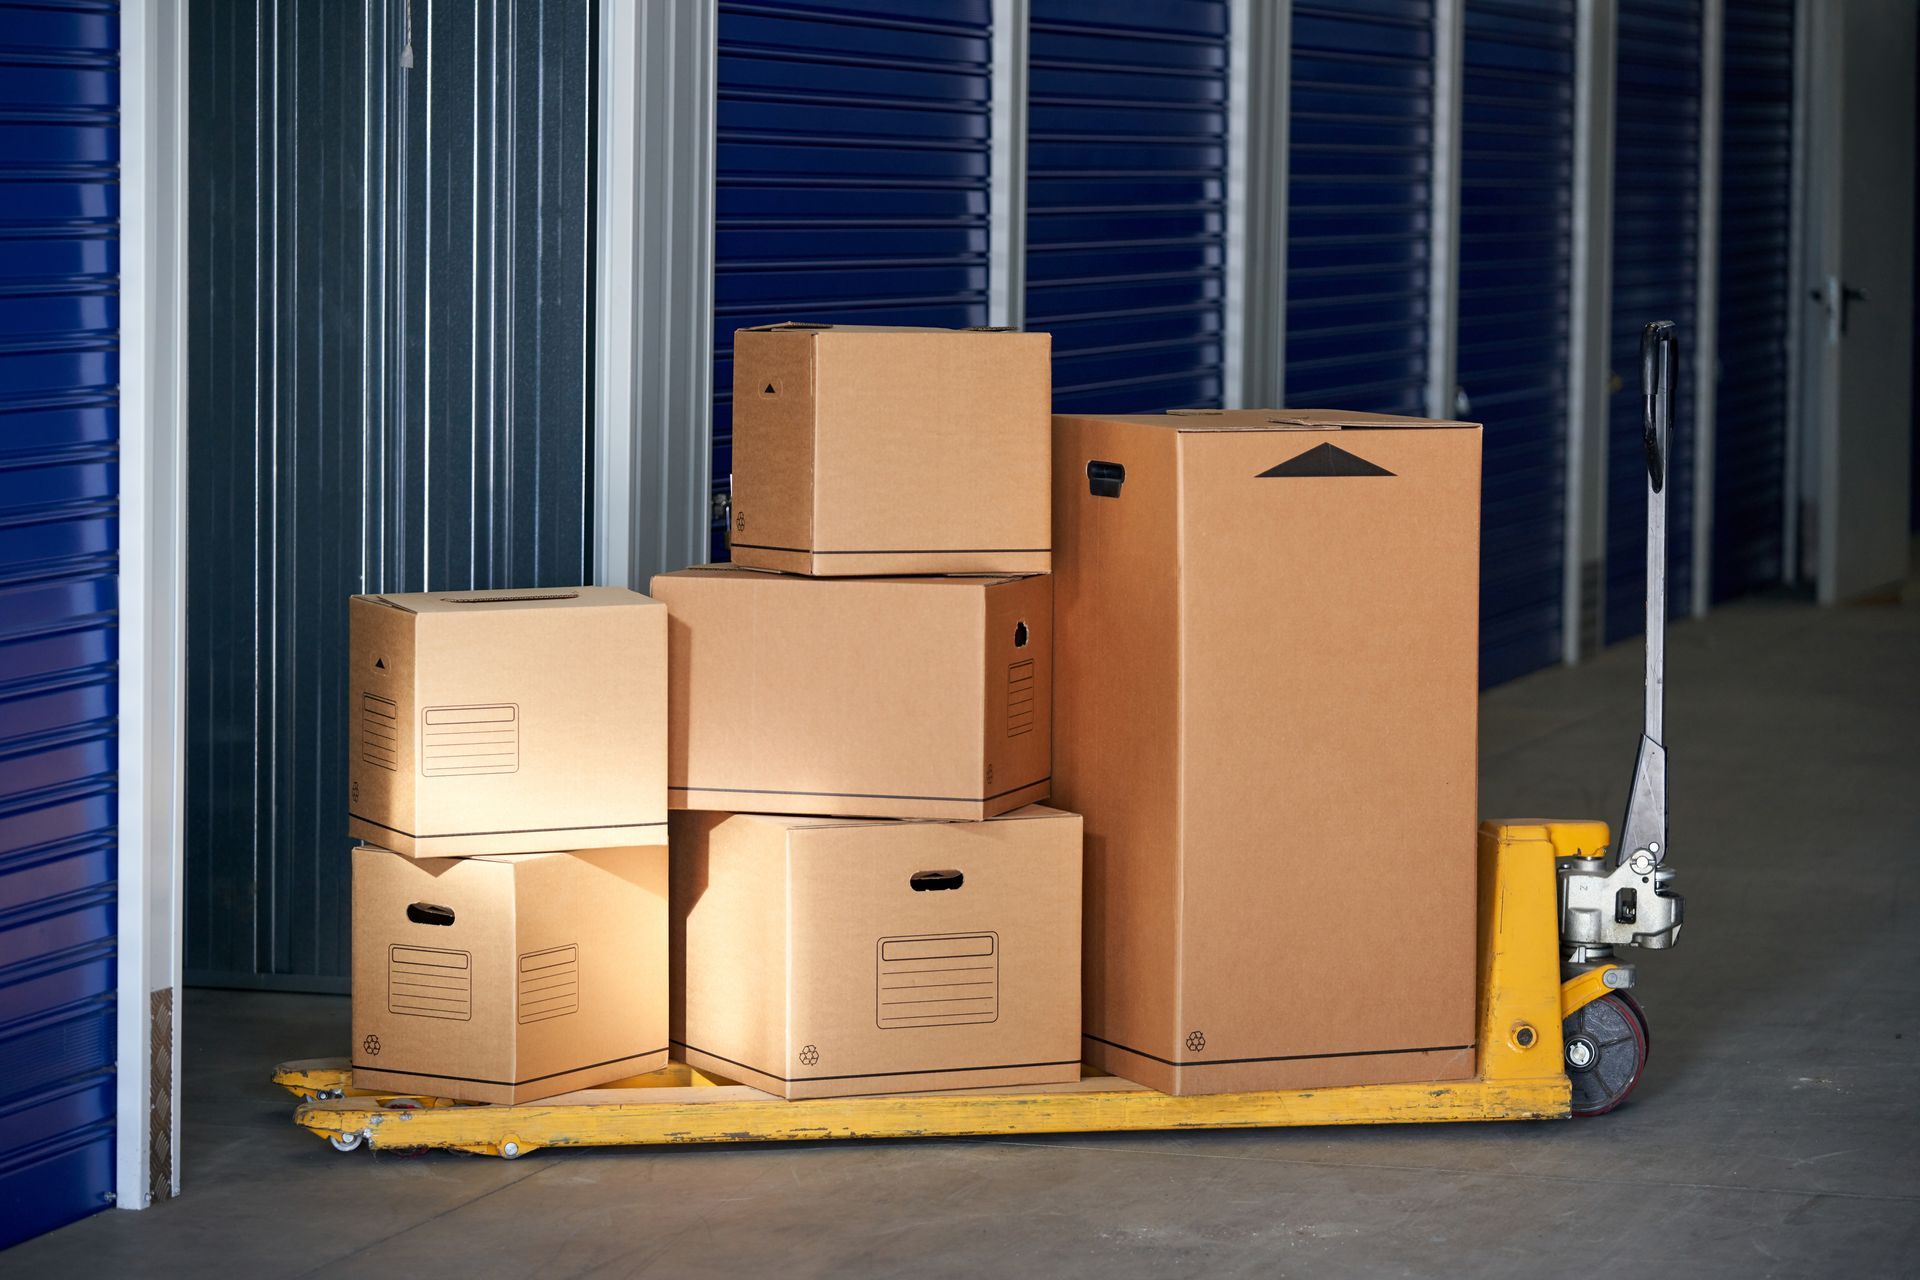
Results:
[1630, 902]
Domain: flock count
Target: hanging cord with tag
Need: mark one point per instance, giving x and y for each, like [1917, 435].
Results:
[406, 49]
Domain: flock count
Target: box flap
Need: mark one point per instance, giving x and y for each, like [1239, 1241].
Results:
[813, 326]
[1211, 420]
[739, 572]
[796, 821]
[422, 602]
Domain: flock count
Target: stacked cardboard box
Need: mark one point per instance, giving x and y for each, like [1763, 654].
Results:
[866, 896]
[507, 769]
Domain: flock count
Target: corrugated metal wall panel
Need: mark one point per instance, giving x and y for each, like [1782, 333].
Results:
[1656, 228]
[1516, 211]
[59, 561]
[851, 158]
[1126, 200]
[1756, 230]
[1360, 199]
[388, 391]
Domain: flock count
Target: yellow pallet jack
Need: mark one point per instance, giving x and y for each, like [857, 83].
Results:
[1558, 1035]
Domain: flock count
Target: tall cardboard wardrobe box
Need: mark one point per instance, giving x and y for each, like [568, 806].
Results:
[861, 450]
[1265, 709]
[507, 721]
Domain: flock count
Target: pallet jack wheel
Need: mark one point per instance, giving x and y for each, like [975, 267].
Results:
[344, 1141]
[1606, 1047]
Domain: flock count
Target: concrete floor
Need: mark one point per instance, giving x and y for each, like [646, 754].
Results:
[1778, 1131]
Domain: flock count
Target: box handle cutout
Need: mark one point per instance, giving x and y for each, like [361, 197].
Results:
[530, 595]
[1105, 478]
[935, 881]
[1019, 635]
[429, 913]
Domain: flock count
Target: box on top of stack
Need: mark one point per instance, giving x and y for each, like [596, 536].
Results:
[508, 768]
[861, 450]
[507, 721]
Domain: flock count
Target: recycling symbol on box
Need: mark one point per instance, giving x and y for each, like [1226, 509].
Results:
[809, 1056]
[371, 1046]
[1196, 1041]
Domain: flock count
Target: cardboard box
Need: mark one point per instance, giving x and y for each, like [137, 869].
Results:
[507, 978]
[867, 450]
[508, 721]
[816, 958]
[866, 697]
[1267, 671]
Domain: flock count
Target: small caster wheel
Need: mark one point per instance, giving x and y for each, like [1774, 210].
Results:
[344, 1141]
[1606, 1047]
[401, 1104]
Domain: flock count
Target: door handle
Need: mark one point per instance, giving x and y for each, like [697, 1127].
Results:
[1838, 298]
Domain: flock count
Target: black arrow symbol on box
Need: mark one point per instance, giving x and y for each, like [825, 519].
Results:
[1324, 460]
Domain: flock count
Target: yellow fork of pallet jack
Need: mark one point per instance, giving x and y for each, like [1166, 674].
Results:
[1519, 1074]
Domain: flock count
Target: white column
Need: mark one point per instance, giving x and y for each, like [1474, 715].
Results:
[153, 387]
[1583, 582]
[653, 355]
[1443, 260]
[1706, 326]
[1007, 176]
[1259, 78]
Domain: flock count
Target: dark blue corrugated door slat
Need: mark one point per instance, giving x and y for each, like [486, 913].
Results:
[1516, 202]
[59, 538]
[1656, 216]
[1756, 224]
[851, 155]
[1126, 200]
[1360, 195]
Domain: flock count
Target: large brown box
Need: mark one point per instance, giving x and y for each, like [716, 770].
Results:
[1265, 702]
[864, 697]
[506, 978]
[870, 450]
[816, 958]
[508, 721]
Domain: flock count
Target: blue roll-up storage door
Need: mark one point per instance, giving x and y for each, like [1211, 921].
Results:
[1516, 206]
[1656, 217]
[1359, 202]
[1756, 227]
[1126, 200]
[59, 538]
[851, 157]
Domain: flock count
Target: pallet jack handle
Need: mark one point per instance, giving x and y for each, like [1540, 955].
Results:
[1645, 828]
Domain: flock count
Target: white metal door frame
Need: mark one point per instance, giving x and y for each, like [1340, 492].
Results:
[653, 299]
[152, 668]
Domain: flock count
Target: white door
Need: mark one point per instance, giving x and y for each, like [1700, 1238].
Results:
[1860, 148]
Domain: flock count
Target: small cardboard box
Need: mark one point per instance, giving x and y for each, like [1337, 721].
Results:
[816, 958]
[866, 450]
[508, 721]
[507, 978]
[866, 697]
[1265, 699]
